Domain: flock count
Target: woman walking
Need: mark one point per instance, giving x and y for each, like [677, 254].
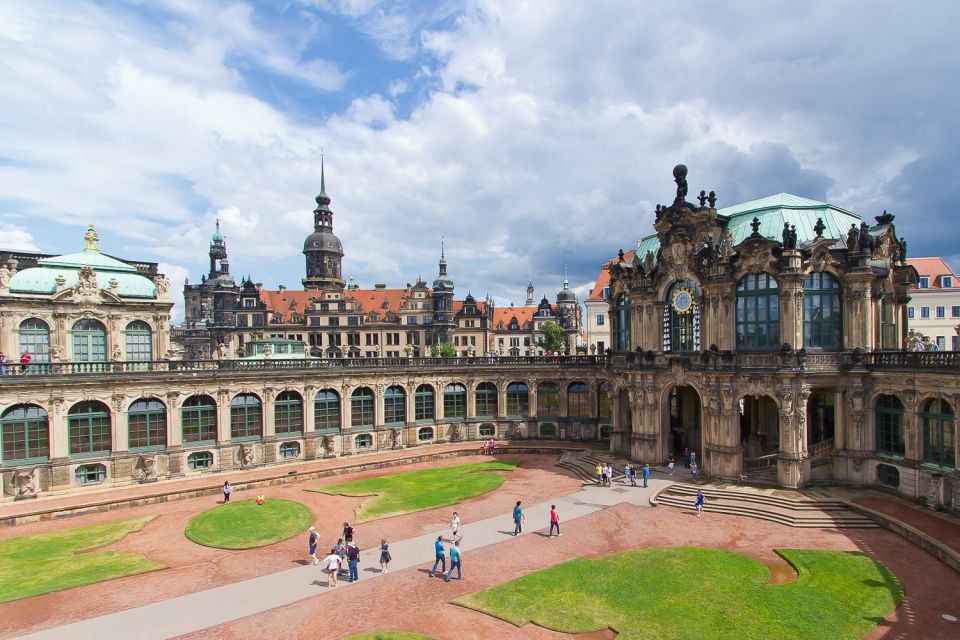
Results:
[312, 543]
[384, 555]
[455, 525]
[227, 490]
[332, 566]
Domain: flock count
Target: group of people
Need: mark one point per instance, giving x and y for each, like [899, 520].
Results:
[489, 447]
[630, 474]
[926, 343]
[25, 359]
[344, 558]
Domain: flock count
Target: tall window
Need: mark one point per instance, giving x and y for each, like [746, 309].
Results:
[518, 400]
[939, 433]
[246, 416]
[821, 312]
[288, 414]
[578, 400]
[486, 400]
[888, 417]
[820, 417]
[548, 400]
[361, 409]
[35, 339]
[25, 433]
[394, 406]
[198, 419]
[622, 311]
[326, 411]
[603, 402]
[424, 403]
[681, 321]
[139, 344]
[89, 339]
[888, 323]
[758, 312]
[147, 424]
[454, 401]
[88, 429]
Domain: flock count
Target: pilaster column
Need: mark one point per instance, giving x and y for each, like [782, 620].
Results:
[378, 411]
[59, 447]
[223, 417]
[118, 424]
[532, 396]
[411, 402]
[309, 410]
[502, 400]
[269, 412]
[471, 386]
[174, 428]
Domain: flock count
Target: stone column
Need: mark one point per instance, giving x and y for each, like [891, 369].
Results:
[793, 465]
[502, 400]
[411, 403]
[471, 387]
[912, 427]
[791, 310]
[268, 406]
[174, 427]
[223, 417]
[56, 415]
[309, 410]
[532, 400]
[118, 424]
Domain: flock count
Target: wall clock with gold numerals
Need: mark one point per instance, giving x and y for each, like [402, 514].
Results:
[682, 300]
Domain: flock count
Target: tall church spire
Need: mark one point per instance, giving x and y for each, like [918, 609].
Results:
[322, 249]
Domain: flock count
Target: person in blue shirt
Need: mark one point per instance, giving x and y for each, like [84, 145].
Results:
[646, 475]
[454, 562]
[439, 557]
[518, 519]
[698, 505]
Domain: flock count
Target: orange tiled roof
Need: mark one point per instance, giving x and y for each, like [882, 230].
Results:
[279, 301]
[523, 314]
[369, 300]
[379, 300]
[933, 268]
[603, 279]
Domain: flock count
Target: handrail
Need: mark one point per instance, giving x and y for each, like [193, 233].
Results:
[760, 462]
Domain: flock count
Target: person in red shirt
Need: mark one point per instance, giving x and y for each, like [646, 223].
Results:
[554, 520]
[24, 361]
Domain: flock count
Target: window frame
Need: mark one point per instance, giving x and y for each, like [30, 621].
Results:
[138, 341]
[86, 428]
[888, 426]
[454, 401]
[578, 402]
[205, 415]
[548, 400]
[246, 417]
[362, 408]
[485, 398]
[34, 339]
[154, 426]
[327, 411]
[31, 435]
[199, 460]
[288, 414]
[518, 401]
[757, 314]
[938, 416]
[819, 289]
[394, 406]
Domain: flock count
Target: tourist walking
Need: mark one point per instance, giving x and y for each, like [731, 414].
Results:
[698, 504]
[454, 562]
[628, 474]
[693, 457]
[608, 474]
[554, 520]
[353, 560]
[646, 475]
[518, 519]
[312, 540]
[385, 556]
[671, 463]
[227, 490]
[455, 525]
[439, 557]
[686, 457]
[347, 533]
[331, 566]
[694, 471]
[599, 474]
[341, 550]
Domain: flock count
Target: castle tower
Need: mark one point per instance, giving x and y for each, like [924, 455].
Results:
[530, 299]
[443, 322]
[322, 249]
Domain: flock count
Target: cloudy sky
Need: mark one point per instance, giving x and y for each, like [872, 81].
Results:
[533, 136]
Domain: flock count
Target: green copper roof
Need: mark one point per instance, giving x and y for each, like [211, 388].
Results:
[773, 211]
[43, 277]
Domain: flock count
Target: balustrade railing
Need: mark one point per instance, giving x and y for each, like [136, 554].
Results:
[760, 462]
[822, 449]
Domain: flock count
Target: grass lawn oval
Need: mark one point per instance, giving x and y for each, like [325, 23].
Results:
[247, 525]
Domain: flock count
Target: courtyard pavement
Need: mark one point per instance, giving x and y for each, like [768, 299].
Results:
[203, 609]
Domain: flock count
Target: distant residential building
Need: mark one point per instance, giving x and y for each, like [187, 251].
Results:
[935, 302]
[597, 324]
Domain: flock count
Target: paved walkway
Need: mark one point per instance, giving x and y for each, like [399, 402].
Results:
[943, 528]
[204, 609]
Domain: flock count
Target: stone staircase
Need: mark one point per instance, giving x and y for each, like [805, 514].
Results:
[791, 508]
[583, 464]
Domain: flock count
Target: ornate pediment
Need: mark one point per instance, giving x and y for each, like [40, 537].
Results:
[755, 255]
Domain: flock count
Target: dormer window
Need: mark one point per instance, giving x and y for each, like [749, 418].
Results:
[946, 282]
[924, 282]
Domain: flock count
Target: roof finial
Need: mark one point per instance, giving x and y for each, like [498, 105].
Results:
[323, 182]
[92, 238]
[441, 247]
[566, 283]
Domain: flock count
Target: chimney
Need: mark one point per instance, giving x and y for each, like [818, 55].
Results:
[379, 287]
[281, 288]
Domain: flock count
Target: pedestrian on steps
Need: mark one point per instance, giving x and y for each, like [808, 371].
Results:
[698, 504]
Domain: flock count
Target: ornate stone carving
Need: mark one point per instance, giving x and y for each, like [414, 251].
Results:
[395, 439]
[246, 454]
[935, 492]
[147, 465]
[163, 286]
[754, 256]
[820, 258]
[326, 447]
[24, 484]
[86, 291]
[456, 432]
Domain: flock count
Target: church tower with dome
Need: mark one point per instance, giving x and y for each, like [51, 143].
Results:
[322, 249]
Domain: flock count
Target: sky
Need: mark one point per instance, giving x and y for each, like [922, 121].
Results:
[533, 137]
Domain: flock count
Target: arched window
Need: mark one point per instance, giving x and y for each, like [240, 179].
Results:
[486, 398]
[939, 433]
[363, 441]
[25, 433]
[89, 339]
[147, 424]
[35, 339]
[90, 473]
[246, 417]
[454, 401]
[622, 311]
[288, 414]
[578, 400]
[394, 406]
[139, 342]
[198, 419]
[758, 312]
[290, 449]
[681, 318]
[424, 403]
[822, 325]
[548, 400]
[518, 400]
[603, 402]
[88, 429]
[326, 411]
[888, 416]
[199, 460]
[425, 434]
[548, 430]
[361, 409]
[488, 430]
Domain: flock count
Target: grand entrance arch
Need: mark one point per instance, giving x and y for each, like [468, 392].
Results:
[682, 422]
[759, 434]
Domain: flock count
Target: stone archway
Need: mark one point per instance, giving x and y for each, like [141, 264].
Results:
[759, 426]
[682, 422]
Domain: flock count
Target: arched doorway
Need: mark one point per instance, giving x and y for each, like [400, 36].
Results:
[682, 422]
[759, 426]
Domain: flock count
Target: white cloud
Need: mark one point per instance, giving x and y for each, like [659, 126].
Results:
[16, 237]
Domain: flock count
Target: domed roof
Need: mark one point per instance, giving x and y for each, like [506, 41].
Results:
[323, 241]
[43, 277]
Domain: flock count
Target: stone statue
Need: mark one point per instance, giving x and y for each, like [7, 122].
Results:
[456, 432]
[117, 354]
[785, 235]
[246, 455]
[148, 468]
[793, 236]
[853, 240]
[702, 198]
[903, 250]
[863, 241]
[395, 439]
[819, 227]
[163, 285]
[326, 447]
[680, 177]
[648, 262]
[221, 351]
[24, 484]
[934, 492]
[712, 199]
[5, 276]
[726, 245]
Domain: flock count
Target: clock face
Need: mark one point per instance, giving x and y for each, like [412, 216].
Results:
[682, 301]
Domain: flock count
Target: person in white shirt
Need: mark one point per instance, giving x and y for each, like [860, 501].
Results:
[455, 525]
[332, 566]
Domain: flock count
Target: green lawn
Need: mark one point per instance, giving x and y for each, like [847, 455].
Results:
[245, 524]
[389, 635]
[32, 565]
[410, 491]
[684, 592]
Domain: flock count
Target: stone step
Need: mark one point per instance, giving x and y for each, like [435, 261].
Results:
[809, 519]
[753, 496]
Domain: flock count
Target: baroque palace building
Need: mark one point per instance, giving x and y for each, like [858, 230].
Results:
[768, 337]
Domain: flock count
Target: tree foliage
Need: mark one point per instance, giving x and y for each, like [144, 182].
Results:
[553, 338]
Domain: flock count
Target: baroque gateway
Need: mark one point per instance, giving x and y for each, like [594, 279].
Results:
[767, 337]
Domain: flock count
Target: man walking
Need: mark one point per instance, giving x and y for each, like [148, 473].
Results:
[646, 475]
[454, 562]
[554, 521]
[698, 505]
[347, 533]
[518, 519]
[353, 560]
[694, 470]
[439, 557]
